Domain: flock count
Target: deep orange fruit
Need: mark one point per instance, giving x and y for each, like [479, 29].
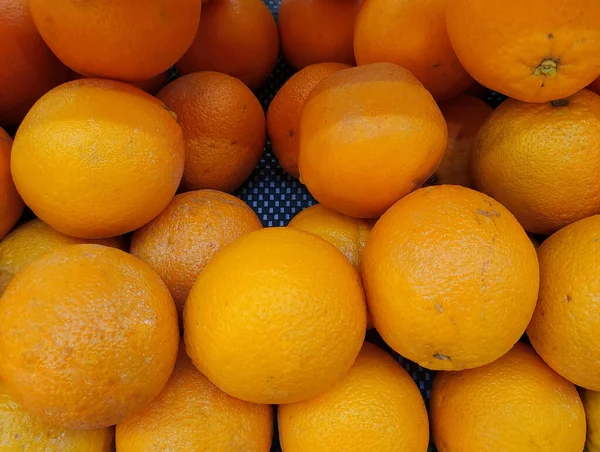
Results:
[88, 336]
[440, 267]
[11, 205]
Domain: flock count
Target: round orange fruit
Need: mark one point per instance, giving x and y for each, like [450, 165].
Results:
[223, 126]
[278, 316]
[564, 329]
[11, 204]
[131, 40]
[31, 241]
[193, 414]
[362, 149]
[317, 31]
[515, 404]
[98, 158]
[375, 406]
[235, 37]
[542, 160]
[465, 115]
[285, 112]
[533, 51]
[88, 336]
[187, 234]
[30, 69]
[591, 403]
[412, 35]
[22, 431]
[151, 86]
[443, 266]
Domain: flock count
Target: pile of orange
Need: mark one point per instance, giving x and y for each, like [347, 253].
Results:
[144, 306]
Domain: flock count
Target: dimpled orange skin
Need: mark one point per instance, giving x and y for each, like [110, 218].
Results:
[542, 160]
[412, 35]
[30, 69]
[376, 406]
[235, 37]
[534, 51]
[515, 404]
[11, 204]
[188, 233]
[285, 112]
[464, 115]
[224, 129]
[591, 403]
[439, 268]
[288, 329]
[194, 415]
[34, 239]
[22, 431]
[564, 329]
[133, 40]
[369, 136]
[88, 336]
[98, 158]
[317, 31]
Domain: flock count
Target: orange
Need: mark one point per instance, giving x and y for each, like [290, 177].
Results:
[595, 86]
[564, 329]
[515, 404]
[442, 267]
[235, 37]
[591, 403]
[29, 69]
[223, 126]
[21, 431]
[31, 241]
[97, 158]
[347, 234]
[534, 51]
[88, 336]
[317, 31]
[151, 86]
[375, 406]
[369, 136]
[276, 317]
[188, 233]
[285, 112]
[464, 115]
[412, 35]
[11, 205]
[132, 40]
[542, 160]
[191, 414]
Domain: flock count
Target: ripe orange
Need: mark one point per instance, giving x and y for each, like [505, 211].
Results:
[97, 158]
[440, 268]
[223, 126]
[88, 336]
[188, 233]
[276, 317]
[362, 148]
[11, 205]
[193, 414]
[31, 241]
[515, 404]
[564, 329]
[151, 86]
[235, 37]
[591, 403]
[285, 112]
[132, 40]
[317, 31]
[29, 68]
[21, 431]
[542, 160]
[595, 86]
[534, 51]
[375, 406]
[412, 35]
[464, 115]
